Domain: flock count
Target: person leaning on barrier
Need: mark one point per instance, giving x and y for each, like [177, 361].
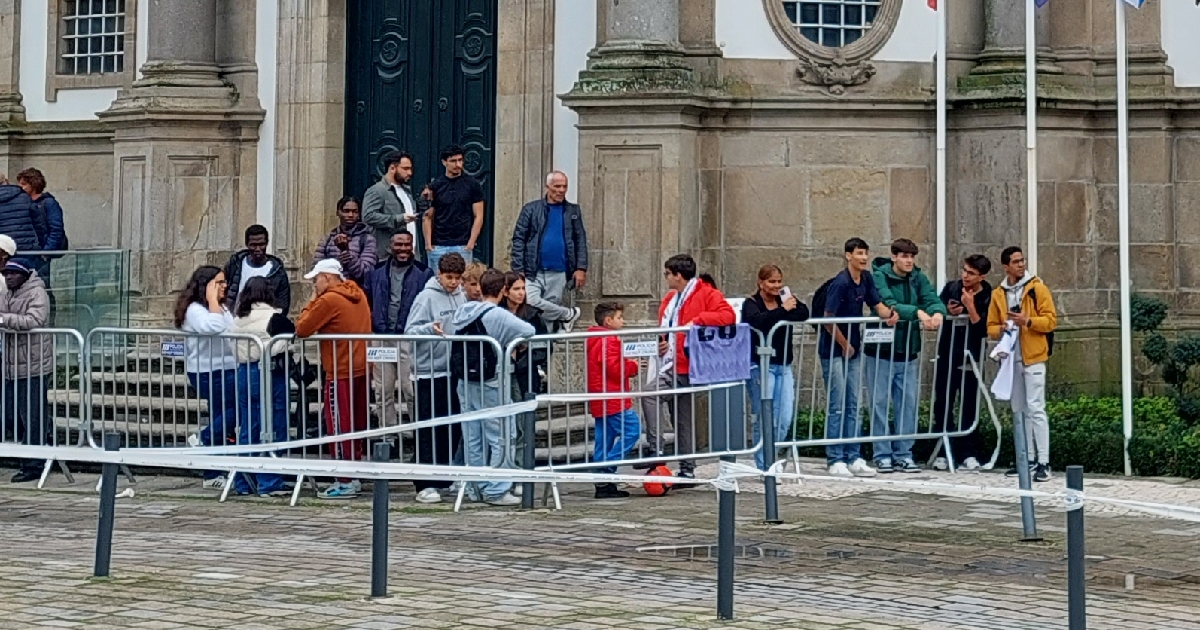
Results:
[549, 245]
[391, 289]
[255, 262]
[838, 345]
[1022, 302]
[351, 243]
[608, 371]
[771, 304]
[484, 442]
[435, 398]
[969, 296]
[691, 300]
[531, 362]
[258, 314]
[28, 363]
[339, 307]
[893, 370]
[210, 361]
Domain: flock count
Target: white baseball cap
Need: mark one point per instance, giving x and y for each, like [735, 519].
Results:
[328, 265]
[8, 245]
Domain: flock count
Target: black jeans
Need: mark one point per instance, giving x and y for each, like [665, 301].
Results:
[26, 415]
[436, 398]
[951, 383]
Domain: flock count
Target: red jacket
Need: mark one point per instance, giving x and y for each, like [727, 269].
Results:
[608, 371]
[706, 306]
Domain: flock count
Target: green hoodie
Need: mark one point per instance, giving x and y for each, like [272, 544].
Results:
[907, 295]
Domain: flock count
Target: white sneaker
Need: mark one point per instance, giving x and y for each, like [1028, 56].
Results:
[941, 464]
[839, 469]
[570, 323]
[356, 484]
[517, 490]
[970, 463]
[429, 495]
[859, 468]
[504, 500]
[193, 441]
[216, 483]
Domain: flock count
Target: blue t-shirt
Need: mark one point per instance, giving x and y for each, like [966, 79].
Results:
[843, 298]
[554, 247]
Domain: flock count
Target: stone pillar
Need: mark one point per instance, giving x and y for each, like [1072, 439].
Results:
[236, 34]
[1004, 38]
[10, 61]
[185, 155]
[640, 47]
[698, 36]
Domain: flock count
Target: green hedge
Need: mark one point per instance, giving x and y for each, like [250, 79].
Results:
[1083, 431]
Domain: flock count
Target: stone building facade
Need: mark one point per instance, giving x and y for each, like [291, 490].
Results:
[744, 131]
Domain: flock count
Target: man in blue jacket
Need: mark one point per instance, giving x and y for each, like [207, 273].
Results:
[391, 289]
[549, 246]
[48, 223]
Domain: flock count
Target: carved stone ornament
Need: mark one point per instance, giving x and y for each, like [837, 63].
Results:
[835, 75]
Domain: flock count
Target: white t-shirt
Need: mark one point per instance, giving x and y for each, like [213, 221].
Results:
[250, 271]
[407, 202]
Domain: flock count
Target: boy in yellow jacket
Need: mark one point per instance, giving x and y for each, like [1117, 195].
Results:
[1023, 301]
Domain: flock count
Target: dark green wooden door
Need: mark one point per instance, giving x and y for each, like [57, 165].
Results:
[421, 75]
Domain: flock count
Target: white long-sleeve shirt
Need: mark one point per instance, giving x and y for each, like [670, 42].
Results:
[207, 353]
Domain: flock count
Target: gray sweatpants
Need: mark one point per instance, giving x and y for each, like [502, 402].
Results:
[682, 409]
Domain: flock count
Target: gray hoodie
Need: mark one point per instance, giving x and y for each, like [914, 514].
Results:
[433, 304]
[1014, 292]
[500, 324]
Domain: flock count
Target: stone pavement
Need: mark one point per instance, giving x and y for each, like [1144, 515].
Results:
[848, 557]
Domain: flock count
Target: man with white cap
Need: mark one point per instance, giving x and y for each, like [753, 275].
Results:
[339, 307]
[28, 360]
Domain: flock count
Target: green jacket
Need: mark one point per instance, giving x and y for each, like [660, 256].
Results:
[907, 295]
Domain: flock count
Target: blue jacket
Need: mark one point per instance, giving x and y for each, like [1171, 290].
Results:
[379, 293]
[531, 226]
[55, 238]
[18, 215]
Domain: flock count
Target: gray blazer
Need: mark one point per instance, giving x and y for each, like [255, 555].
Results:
[382, 210]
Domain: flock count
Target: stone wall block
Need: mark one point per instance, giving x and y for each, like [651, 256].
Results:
[765, 206]
[1151, 219]
[990, 212]
[1065, 157]
[1104, 155]
[1056, 265]
[1187, 158]
[629, 198]
[1106, 228]
[1189, 266]
[1047, 212]
[909, 204]
[1150, 159]
[1152, 267]
[822, 149]
[712, 216]
[995, 156]
[846, 202]
[1108, 267]
[1187, 212]
[753, 150]
[1074, 204]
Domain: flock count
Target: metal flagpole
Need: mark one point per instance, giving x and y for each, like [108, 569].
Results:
[942, 241]
[1123, 230]
[1031, 175]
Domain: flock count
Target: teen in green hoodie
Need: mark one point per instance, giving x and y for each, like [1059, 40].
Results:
[892, 372]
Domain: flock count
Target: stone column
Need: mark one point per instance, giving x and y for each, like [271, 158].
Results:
[698, 36]
[236, 34]
[184, 148]
[640, 48]
[1004, 37]
[10, 61]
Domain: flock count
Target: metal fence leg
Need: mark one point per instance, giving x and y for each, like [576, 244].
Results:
[108, 506]
[379, 526]
[1028, 518]
[1076, 572]
[529, 428]
[766, 421]
[128, 474]
[726, 524]
[46, 468]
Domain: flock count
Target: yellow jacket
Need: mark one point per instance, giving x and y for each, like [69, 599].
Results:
[1043, 319]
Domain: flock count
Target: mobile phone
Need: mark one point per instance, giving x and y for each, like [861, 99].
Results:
[786, 293]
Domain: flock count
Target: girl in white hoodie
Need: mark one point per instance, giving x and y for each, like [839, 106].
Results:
[258, 315]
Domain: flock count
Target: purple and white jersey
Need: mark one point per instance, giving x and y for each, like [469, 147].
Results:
[718, 354]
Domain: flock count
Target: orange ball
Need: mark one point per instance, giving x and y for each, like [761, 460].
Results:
[658, 488]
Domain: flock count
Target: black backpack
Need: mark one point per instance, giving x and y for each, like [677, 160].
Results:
[818, 301]
[473, 361]
[1049, 335]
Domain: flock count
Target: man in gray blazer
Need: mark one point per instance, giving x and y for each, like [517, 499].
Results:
[390, 206]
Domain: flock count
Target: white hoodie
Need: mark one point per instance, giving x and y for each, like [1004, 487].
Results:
[207, 353]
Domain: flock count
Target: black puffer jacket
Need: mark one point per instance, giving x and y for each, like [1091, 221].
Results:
[17, 216]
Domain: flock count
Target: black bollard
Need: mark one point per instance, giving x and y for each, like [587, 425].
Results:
[108, 509]
[379, 526]
[1076, 572]
[1024, 480]
[529, 434]
[726, 526]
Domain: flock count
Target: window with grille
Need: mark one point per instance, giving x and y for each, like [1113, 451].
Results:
[93, 37]
[832, 23]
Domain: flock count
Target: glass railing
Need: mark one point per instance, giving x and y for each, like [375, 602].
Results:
[89, 288]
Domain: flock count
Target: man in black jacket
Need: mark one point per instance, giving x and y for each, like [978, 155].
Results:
[254, 261]
[549, 246]
[970, 295]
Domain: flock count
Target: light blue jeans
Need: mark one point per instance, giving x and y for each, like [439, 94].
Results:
[436, 253]
[894, 383]
[782, 385]
[484, 442]
[843, 380]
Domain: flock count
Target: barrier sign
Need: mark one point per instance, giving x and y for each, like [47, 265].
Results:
[173, 349]
[383, 355]
[879, 335]
[636, 349]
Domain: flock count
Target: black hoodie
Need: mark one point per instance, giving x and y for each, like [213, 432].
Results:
[951, 340]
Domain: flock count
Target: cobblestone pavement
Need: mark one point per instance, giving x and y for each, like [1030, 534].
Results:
[847, 557]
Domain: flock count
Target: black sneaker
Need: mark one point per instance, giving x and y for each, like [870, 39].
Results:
[1042, 473]
[1012, 472]
[610, 491]
[26, 475]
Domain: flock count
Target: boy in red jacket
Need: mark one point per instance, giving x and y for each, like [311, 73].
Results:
[691, 301]
[617, 424]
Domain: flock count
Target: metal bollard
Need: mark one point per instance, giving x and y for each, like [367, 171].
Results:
[379, 526]
[1028, 518]
[1076, 571]
[766, 425]
[529, 428]
[108, 508]
[726, 525]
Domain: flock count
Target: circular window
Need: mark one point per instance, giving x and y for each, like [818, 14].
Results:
[827, 30]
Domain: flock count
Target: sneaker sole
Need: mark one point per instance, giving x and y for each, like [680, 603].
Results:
[341, 497]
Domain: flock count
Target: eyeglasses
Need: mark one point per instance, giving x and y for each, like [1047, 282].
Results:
[971, 272]
[666, 274]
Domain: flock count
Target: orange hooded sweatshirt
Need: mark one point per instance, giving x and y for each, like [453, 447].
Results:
[342, 310]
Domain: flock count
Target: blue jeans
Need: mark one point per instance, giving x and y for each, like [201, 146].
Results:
[249, 400]
[843, 380]
[484, 441]
[782, 385]
[616, 434]
[220, 390]
[893, 382]
[436, 253]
